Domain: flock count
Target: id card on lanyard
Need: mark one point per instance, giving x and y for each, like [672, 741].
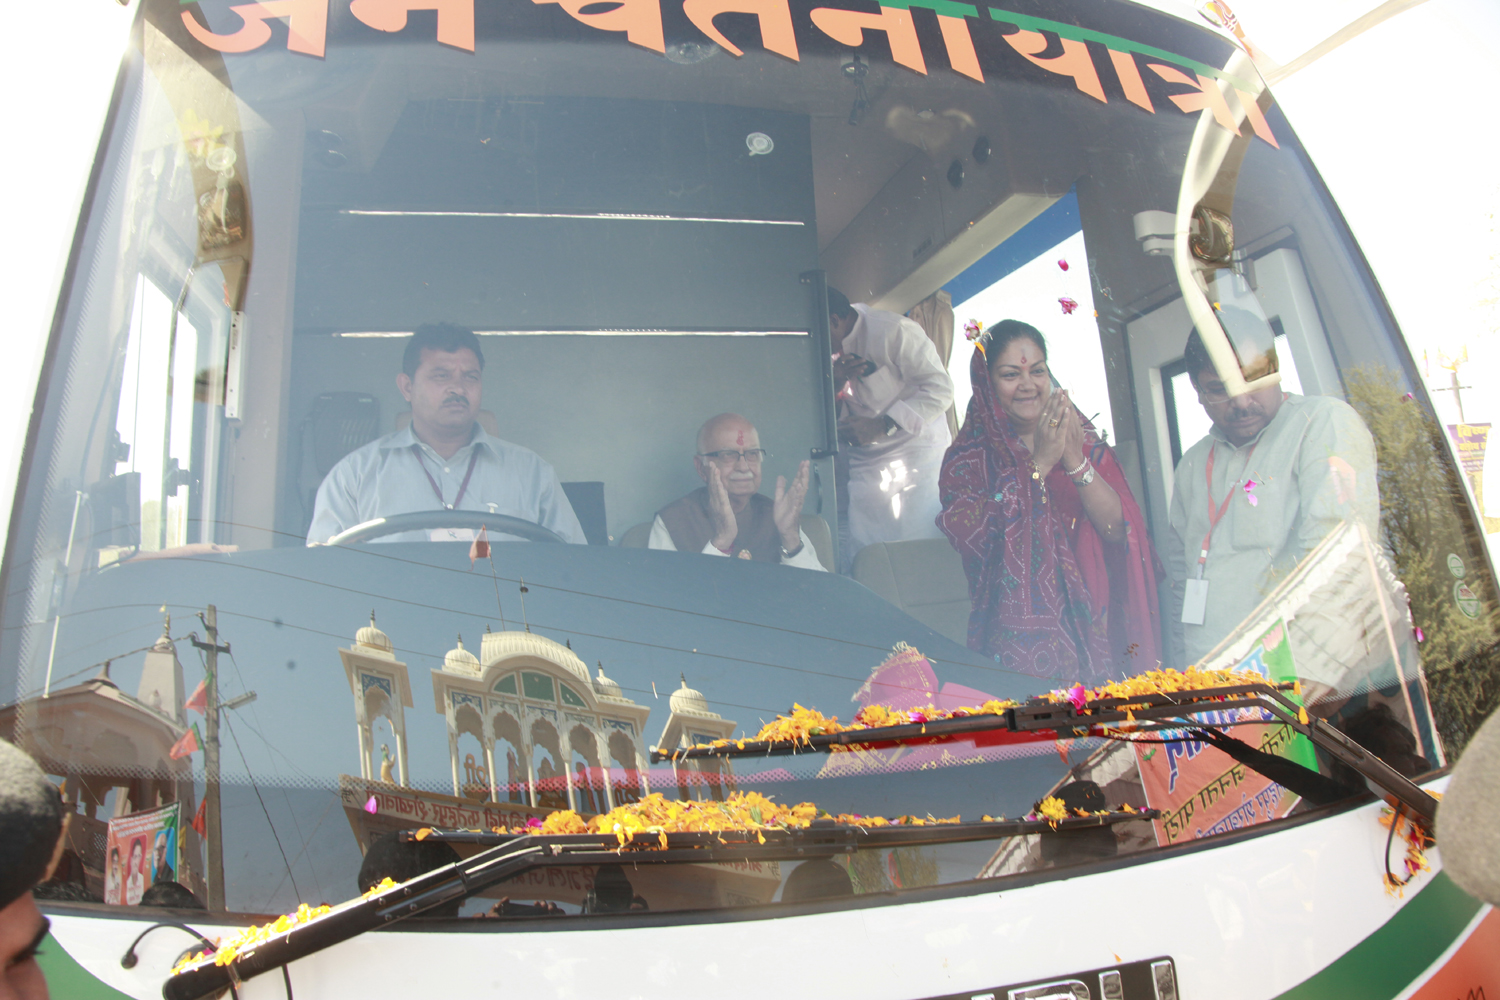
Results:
[1195, 594]
[449, 534]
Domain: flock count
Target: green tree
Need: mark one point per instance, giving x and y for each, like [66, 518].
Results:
[1424, 516]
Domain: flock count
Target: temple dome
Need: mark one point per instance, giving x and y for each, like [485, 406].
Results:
[686, 701]
[461, 661]
[605, 687]
[498, 646]
[371, 637]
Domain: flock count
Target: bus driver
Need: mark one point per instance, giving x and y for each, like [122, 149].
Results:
[443, 459]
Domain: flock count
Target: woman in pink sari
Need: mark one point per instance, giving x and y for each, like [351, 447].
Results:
[1061, 572]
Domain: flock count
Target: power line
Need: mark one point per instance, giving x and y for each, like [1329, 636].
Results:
[95, 666]
[266, 812]
[982, 665]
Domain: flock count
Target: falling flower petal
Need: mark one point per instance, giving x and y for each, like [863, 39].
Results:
[1417, 631]
[1068, 305]
[371, 806]
[1063, 264]
[1407, 398]
[972, 330]
[1250, 485]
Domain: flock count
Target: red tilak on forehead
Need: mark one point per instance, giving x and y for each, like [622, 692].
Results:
[1023, 359]
[740, 439]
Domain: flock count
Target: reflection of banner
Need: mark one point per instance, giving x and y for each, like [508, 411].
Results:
[1202, 791]
[140, 850]
[1469, 440]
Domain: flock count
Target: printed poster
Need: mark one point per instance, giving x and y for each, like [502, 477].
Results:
[140, 850]
[1200, 790]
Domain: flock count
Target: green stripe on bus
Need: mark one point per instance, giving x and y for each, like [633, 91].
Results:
[66, 978]
[1386, 962]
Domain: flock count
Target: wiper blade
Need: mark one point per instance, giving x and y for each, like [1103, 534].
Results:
[508, 855]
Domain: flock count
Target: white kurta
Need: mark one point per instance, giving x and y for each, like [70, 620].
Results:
[893, 483]
[806, 557]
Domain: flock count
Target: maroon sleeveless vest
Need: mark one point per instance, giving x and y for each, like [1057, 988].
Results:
[692, 526]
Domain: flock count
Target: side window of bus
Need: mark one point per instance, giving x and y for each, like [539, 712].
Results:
[168, 431]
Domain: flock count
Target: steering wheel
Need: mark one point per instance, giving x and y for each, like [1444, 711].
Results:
[420, 520]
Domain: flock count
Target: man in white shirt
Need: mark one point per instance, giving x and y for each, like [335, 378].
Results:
[444, 460]
[894, 395]
[729, 516]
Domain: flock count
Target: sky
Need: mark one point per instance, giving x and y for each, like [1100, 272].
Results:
[1394, 121]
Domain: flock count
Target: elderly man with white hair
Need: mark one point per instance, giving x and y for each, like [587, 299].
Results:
[729, 516]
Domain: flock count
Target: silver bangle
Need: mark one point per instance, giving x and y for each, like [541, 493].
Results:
[1076, 471]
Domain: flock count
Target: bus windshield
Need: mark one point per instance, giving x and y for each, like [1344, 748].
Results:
[456, 411]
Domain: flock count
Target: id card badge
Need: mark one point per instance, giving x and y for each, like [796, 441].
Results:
[1195, 602]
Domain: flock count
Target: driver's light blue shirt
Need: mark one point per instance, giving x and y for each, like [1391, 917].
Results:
[385, 477]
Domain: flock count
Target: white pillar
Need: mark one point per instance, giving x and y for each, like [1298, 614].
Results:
[530, 776]
[401, 755]
[364, 750]
[604, 761]
[453, 759]
[489, 759]
[565, 745]
[643, 777]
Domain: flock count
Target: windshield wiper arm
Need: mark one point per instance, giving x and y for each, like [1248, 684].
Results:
[418, 895]
[508, 855]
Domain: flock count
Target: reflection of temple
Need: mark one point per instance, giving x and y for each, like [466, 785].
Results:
[530, 702]
[691, 722]
[102, 740]
[529, 731]
[549, 736]
[381, 688]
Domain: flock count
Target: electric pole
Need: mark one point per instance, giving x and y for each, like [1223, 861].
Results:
[213, 831]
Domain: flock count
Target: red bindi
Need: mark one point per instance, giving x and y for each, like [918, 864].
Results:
[1023, 359]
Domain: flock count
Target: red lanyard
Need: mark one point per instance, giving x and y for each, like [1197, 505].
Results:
[1216, 514]
[464, 487]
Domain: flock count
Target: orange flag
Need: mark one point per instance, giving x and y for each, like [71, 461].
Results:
[187, 745]
[480, 548]
[198, 700]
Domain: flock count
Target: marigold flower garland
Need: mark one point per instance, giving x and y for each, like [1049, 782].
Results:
[650, 819]
[253, 935]
[804, 723]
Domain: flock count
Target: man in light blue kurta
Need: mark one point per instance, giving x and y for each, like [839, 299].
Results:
[443, 460]
[1276, 473]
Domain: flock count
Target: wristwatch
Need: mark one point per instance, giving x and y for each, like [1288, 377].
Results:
[1087, 477]
[891, 427]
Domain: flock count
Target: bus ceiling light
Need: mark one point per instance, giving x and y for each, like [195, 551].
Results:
[634, 332]
[586, 216]
[1153, 230]
[759, 144]
[1210, 234]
